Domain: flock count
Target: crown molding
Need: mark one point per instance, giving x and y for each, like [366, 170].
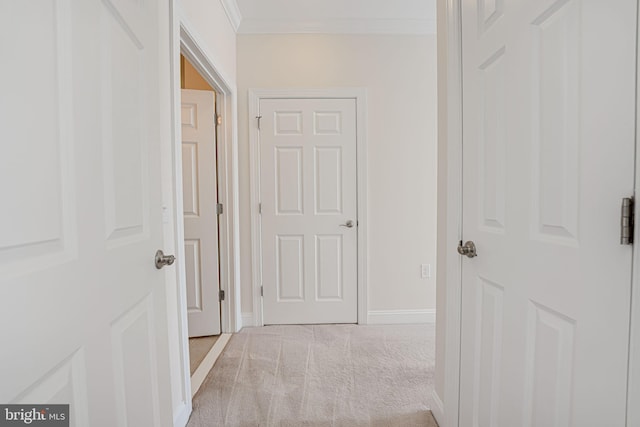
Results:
[233, 13]
[339, 26]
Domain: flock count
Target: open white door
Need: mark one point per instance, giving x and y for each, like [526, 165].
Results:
[308, 189]
[83, 309]
[200, 196]
[549, 120]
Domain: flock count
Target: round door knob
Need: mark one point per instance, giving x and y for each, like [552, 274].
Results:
[161, 259]
[468, 249]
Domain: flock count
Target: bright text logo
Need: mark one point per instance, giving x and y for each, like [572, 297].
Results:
[34, 415]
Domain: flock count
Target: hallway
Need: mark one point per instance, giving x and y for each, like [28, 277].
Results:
[321, 375]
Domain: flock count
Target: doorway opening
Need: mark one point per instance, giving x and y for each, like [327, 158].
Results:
[205, 162]
[201, 210]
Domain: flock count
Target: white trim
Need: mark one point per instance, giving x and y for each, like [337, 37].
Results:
[247, 319]
[188, 32]
[254, 197]
[232, 11]
[449, 418]
[182, 415]
[633, 390]
[180, 375]
[339, 26]
[401, 317]
[184, 40]
[207, 363]
[227, 178]
[438, 408]
[360, 96]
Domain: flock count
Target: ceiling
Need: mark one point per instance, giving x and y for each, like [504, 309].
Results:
[335, 16]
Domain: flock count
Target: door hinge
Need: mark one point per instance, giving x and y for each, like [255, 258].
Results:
[260, 208]
[259, 118]
[217, 120]
[627, 221]
[221, 295]
[261, 291]
[219, 208]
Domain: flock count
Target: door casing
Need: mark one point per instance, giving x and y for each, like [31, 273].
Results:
[633, 390]
[447, 415]
[360, 96]
[227, 168]
[186, 41]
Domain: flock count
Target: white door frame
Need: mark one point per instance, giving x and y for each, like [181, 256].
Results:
[360, 96]
[454, 93]
[184, 40]
[225, 147]
[453, 284]
[633, 393]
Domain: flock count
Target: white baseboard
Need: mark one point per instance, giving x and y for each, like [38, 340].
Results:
[397, 317]
[247, 320]
[182, 415]
[201, 373]
[438, 409]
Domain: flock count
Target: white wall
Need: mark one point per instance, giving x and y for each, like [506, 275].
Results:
[207, 21]
[399, 73]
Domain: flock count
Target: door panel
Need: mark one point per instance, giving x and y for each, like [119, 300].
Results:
[289, 185]
[308, 189]
[290, 268]
[328, 180]
[548, 369]
[27, 231]
[190, 190]
[65, 383]
[82, 307]
[556, 112]
[549, 119]
[328, 280]
[133, 338]
[200, 199]
[124, 161]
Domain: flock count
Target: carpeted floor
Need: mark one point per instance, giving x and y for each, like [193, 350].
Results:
[321, 375]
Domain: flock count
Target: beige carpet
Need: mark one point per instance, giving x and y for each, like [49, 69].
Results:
[321, 375]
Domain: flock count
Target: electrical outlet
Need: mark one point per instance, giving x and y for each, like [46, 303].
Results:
[425, 271]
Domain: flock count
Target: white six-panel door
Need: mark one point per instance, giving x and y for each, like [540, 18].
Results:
[82, 306]
[200, 198]
[549, 120]
[308, 193]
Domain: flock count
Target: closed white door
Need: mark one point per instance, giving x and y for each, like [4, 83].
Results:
[309, 210]
[83, 309]
[200, 198]
[549, 121]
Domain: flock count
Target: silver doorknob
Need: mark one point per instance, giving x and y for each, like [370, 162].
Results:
[162, 259]
[348, 224]
[468, 249]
